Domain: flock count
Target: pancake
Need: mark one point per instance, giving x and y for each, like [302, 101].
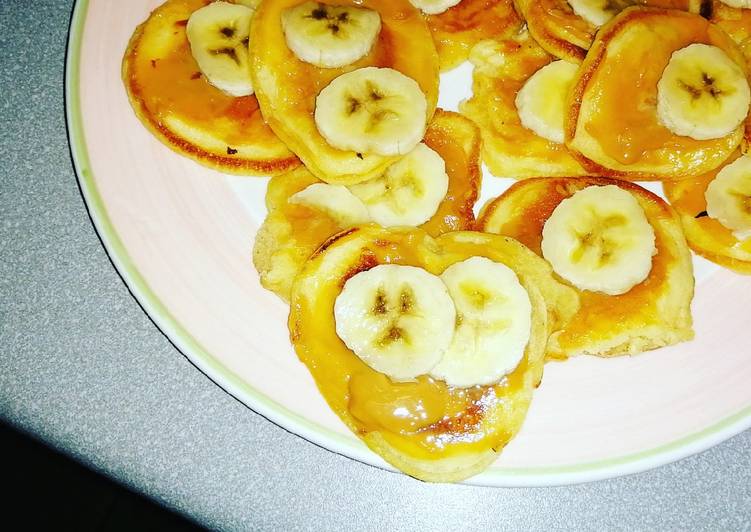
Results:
[613, 126]
[176, 103]
[287, 87]
[705, 235]
[292, 232]
[736, 22]
[654, 313]
[459, 28]
[566, 35]
[509, 148]
[427, 429]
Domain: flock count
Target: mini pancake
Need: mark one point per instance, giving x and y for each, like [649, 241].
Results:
[613, 127]
[654, 313]
[287, 87]
[509, 148]
[563, 33]
[459, 28]
[292, 232]
[705, 235]
[176, 103]
[440, 433]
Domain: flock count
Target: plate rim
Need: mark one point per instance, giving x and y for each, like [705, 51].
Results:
[281, 416]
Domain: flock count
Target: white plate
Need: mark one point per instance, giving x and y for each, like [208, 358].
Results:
[181, 237]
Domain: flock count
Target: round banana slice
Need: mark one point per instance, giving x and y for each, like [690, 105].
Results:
[336, 201]
[410, 190]
[702, 94]
[219, 34]
[398, 319]
[372, 110]
[599, 239]
[433, 7]
[493, 317]
[542, 101]
[729, 197]
[330, 36]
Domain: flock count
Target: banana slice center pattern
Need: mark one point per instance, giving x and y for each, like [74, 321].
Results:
[599, 239]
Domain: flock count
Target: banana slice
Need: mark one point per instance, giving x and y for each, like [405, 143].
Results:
[330, 36]
[372, 110]
[218, 35]
[398, 319]
[433, 7]
[702, 94]
[741, 4]
[598, 12]
[334, 200]
[410, 190]
[494, 320]
[599, 239]
[542, 101]
[729, 197]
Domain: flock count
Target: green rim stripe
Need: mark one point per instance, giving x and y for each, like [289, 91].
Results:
[208, 364]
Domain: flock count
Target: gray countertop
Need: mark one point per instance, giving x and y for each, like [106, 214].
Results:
[85, 370]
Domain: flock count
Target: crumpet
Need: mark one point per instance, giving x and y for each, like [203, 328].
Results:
[293, 231]
[653, 313]
[182, 109]
[288, 87]
[425, 427]
[509, 148]
[459, 28]
[706, 235]
[614, 127]
[560, 27]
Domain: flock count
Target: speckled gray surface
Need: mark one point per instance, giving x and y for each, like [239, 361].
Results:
[84, 369]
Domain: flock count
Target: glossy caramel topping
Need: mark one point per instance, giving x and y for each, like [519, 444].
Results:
[623, 91]
[423, 417]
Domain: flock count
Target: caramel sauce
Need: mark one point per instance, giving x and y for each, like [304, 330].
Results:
[624, 94]
[171, 84]
[425, 418]
[484, 18]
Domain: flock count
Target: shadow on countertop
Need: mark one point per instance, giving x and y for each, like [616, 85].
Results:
[46, 490]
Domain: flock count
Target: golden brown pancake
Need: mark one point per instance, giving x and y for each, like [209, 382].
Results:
[736, 22]
[613, 127]
[509, 148]
[563, 33]
[176, 103]
[705, 235]
[654, 313]
[292, 232]
[425, 428]
[459, 28]
[287, 87]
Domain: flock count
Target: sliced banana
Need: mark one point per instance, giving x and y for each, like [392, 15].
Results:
[330, 36]
[218, 35]
[542, 101]
[398, 319]
[336, 201]
[599, 239]
[702, 94]
[372, 110]
[493, 323]
[410, 190]
[433, 7]
[598, 12]
[729, 197]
